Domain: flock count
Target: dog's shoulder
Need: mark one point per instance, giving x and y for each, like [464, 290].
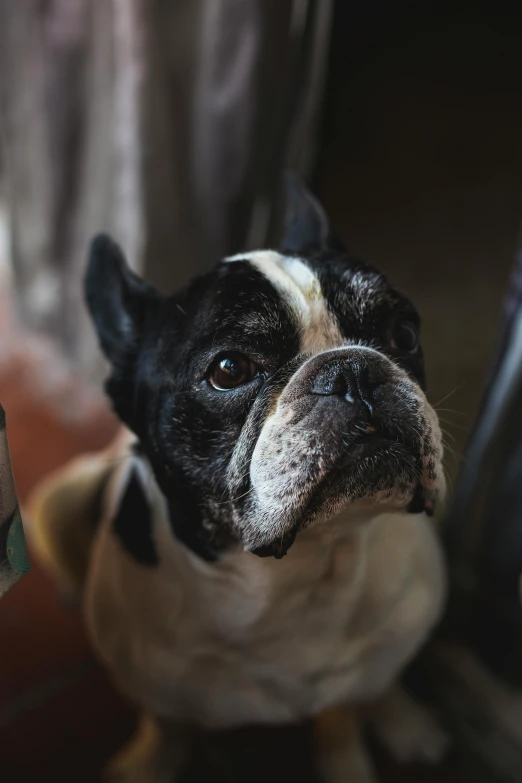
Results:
[64, 511]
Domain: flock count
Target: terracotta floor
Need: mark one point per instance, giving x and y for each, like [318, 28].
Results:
[56, 707]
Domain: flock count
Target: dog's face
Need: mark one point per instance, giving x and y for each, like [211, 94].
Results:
[276, 390]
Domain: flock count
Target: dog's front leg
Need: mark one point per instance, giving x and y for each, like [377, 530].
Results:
[154, 754]
[340, 752]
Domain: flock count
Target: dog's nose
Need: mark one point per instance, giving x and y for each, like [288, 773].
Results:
[351, 380]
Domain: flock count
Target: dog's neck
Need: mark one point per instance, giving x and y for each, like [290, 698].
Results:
[353, 566]
[316, 555]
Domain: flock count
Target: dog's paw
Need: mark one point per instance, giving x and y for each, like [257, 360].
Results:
[340, 752]
[115, 772]
[342, 767]
[147, 758]
[409, 731]
[125, 768]
[133, 770]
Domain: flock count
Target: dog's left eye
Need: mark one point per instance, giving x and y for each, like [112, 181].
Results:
[231, 370]
[405, 337]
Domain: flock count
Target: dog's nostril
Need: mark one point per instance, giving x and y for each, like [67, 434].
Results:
[339, 386]
[331, 383]
[348, 381]
[343, 382]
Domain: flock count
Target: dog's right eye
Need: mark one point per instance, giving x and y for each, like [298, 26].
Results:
[231, 370]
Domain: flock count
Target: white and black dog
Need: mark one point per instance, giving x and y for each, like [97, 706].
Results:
[264, 552]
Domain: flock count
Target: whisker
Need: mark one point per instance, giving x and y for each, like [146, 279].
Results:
[447, 434]
[450, 394]
[451, 410]
[453, 425]
[233, 500]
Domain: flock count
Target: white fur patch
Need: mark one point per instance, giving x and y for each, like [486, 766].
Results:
[301, 289]
[255, 640]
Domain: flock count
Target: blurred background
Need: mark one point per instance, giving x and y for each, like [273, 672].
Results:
[169, 123]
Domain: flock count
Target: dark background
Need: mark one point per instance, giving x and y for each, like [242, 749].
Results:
[420, 167]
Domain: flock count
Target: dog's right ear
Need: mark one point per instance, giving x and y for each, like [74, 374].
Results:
[307, 228]
[118, 300]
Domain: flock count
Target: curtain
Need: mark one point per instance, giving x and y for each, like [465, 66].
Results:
[167, 123]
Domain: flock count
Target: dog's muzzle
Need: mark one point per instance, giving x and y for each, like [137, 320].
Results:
[349, 425]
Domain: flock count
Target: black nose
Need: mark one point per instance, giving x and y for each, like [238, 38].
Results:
[352, 380]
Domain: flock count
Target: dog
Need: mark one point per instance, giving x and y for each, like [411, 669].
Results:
[258, 547]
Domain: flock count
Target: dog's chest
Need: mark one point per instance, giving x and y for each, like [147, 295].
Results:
[253, 640]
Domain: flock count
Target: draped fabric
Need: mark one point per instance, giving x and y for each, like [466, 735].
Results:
[167, 123]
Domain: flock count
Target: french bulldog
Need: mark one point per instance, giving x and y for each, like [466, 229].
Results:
[264, 552]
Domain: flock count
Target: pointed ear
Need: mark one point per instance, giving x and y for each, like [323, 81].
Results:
[118, 300]
[306, 224]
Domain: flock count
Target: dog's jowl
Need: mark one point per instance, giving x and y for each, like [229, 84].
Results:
[265, 551]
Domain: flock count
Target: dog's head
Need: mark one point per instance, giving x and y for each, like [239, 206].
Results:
[273, 392]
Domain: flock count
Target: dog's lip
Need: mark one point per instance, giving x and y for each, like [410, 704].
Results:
[372, 443]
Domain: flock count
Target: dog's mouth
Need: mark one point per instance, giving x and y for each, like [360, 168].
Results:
[377, 462]
[376, 459]
[376, 442]
[373, 442]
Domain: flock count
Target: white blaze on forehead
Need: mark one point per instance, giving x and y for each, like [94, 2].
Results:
[301, 289]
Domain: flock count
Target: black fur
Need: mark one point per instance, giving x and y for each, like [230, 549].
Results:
[337, 273]
[160, 349]
[132, 523]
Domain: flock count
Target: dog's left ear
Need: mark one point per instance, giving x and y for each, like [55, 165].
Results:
[307, 227]
[118, 300]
